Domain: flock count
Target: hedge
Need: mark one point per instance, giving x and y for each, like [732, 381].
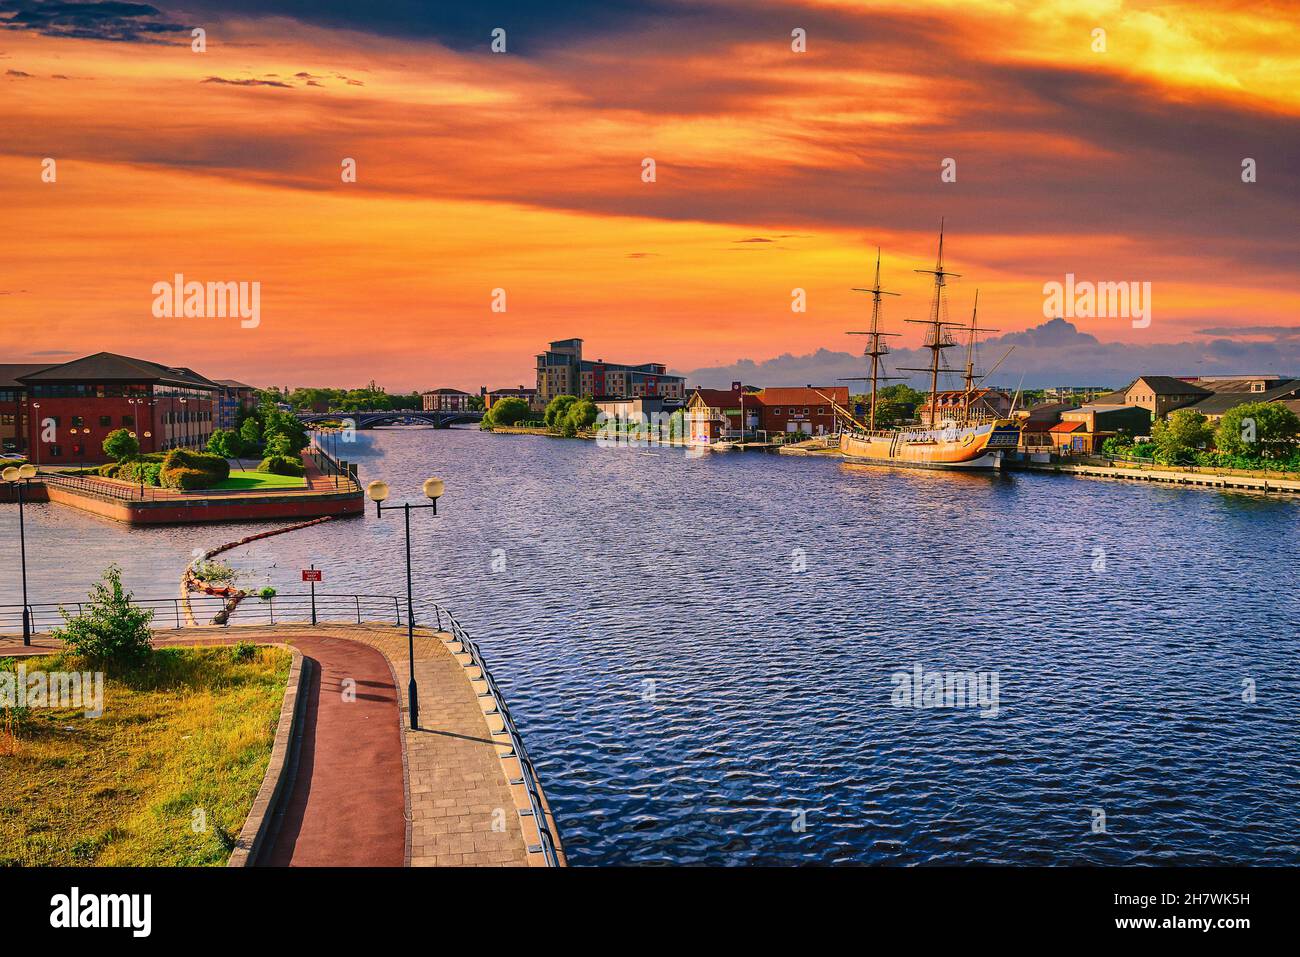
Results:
[281, 465]
[186, 469]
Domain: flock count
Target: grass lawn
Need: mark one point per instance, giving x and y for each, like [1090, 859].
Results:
[189, 732]
[240, 479]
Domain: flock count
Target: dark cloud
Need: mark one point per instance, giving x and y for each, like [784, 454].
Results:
[104, 20]
[221, 79]
[530, 26]
[1052, 353]
[1280, 332]
[18, 73]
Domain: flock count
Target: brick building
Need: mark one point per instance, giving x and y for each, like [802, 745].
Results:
[445, 400]
[562, 370]
[13, 405]
[71, 408]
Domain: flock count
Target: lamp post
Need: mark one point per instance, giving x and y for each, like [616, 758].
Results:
[36, 406]
[378, 492]
[185, 419]
[19, 477]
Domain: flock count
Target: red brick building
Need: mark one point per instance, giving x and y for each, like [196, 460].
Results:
[713, 414]
[445, 400]
[13, 405]
[807, 409]
[71, 408]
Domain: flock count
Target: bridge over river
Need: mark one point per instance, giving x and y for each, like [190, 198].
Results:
[369, 420]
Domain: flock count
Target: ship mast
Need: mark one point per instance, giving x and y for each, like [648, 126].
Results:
[875, 348]
[938, 337]
[970, 376]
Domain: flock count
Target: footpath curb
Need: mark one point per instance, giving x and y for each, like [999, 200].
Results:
[257, 828]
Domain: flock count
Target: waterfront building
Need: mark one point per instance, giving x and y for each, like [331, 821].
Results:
[1158, 394]
[1228, 392]
[807, 409]
[445, 400]
[715, 414]
[13, 404]
[562, 370]
[70, 408]
[530, 396]
[1083, 430]
[1036, 423]
[234, 397]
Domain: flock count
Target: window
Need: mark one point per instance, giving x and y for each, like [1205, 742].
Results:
[78, 421]
[776, 411]
[56, 451]
[128, 421]
[106, 420]
[821, 410]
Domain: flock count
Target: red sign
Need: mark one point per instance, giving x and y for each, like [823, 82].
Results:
[311, 574]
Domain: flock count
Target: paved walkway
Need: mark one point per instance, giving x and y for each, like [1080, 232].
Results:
[351, 801]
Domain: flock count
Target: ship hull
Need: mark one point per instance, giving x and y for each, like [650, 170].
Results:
[958, 447]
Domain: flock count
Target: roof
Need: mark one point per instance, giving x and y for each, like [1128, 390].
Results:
[1109, 407]
[1066, 427]
[444, 391]
[234, 384]
[805, 395]
[10, 372]
[111, 367]
[721, 398]
[521, 390]
[1242, 383]
[1222, 401]
[1168, 385]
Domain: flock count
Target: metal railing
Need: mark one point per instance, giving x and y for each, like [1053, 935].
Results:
[122, 491]
[307, 608]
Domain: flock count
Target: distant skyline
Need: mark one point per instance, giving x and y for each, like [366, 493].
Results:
[522, 171]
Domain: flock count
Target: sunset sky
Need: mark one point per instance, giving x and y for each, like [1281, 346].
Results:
[522, 171]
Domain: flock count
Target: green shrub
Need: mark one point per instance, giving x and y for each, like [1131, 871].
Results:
[281, 465]
[267, 592]
[186, 469]
[243, 651]
[111, 470]
[109, 628]
[187, 479]
[121, 445]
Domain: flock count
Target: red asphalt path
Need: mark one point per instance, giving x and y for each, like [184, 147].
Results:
[347, 807]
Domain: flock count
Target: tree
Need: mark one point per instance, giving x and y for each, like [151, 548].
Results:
[109, 628]
[226, 443]
[1259, 430]
[250, 434]
[1179, 436]
[507, 411]
[476, 403]
[120, 445]
[557, 409]
[580, 415]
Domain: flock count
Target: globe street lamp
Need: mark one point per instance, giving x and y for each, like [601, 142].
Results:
[19, 477]
[378, 492]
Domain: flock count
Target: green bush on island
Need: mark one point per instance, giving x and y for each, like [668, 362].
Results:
[281, 465]
[110, 469]
[108, 628]
[189, 470]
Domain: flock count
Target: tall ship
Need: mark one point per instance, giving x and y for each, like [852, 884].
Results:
[962, 433]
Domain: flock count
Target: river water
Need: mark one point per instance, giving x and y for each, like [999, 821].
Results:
[702, 652]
